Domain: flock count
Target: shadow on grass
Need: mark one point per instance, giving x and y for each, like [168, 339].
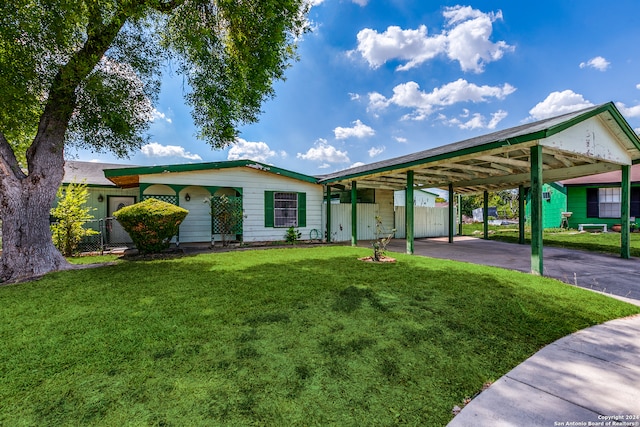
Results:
[283, 337]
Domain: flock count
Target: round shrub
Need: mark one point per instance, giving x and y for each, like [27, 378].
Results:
[151, 224]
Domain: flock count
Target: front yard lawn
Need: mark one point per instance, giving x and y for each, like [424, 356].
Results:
[301, 336]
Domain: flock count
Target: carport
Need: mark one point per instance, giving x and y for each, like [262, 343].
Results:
[586, 142]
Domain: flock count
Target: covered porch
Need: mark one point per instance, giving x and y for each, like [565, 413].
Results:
[586, 142]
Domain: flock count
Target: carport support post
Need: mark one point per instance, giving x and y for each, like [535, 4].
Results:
[536, 210]
[521, 214]
[408, 212]
[328, 198]
[452, 216]
[354, 214]
[485, 214]
[625, 250]
[459, 214]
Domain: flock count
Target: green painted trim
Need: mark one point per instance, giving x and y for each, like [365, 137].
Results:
[536, 211]
[521, 214]
[150, 170]
[459, 214]
[485, 215]
[328, 200]
[452, 215]
[409, 204]
[302, 210]
[268, 209]
[625, 212]
[354, 214]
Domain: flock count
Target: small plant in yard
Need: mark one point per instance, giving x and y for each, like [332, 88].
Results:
[380, 244]
[292, 235]
[71, 214]
[151, 224]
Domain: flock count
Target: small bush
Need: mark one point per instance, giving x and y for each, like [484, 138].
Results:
[292, 235]
[71, 214]
[151, 224]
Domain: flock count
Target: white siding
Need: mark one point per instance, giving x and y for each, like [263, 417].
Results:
[196, 227]
[253, 184]
[428, 222]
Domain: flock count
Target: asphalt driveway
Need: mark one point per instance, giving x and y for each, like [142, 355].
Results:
[607, 273]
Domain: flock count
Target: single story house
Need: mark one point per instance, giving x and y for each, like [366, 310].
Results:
[596, 199]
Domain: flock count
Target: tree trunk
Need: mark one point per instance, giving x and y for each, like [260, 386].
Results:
[27, 247]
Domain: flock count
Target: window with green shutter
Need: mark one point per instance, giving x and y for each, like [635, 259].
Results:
[285, 209]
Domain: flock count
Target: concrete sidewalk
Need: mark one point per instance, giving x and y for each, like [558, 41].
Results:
[587, 378]
[591, 377]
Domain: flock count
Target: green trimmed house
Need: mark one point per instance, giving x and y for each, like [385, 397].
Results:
[269, 199]
[596, 199]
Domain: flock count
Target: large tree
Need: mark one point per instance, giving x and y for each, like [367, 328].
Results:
[86, 73]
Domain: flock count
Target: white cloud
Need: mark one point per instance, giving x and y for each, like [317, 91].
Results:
[638, 86]
[409, 95]
[496, 118]
[356, 96]
[599, 63]
[400, 139]
[362, 3]
[324, 166]
[356, 164]
[465, 39]
[359, 130]
[558, 103]
[374, 151]
[155, 114]
[628, 111]
[258, 151]
[324, 152]
[155, 149]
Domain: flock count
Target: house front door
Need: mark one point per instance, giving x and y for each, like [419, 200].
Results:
[115, 233]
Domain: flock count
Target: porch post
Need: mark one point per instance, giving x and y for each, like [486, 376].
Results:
[625, 202]
[536, 210]
[459, 214]
[521, 214]
[328, 225]
[452, 215]
[485, 214]
[409, 225]
[354, 214]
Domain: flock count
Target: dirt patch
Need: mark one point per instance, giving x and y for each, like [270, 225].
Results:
[382, 259]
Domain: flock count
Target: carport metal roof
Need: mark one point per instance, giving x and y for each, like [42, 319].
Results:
[590, 141]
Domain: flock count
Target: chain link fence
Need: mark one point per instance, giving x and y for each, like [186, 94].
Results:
[110, 237]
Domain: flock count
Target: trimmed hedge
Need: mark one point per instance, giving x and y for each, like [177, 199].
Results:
[151, 224]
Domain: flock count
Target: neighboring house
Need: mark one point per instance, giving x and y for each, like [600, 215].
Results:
[596, 198]
[421, 198]
[554, 204]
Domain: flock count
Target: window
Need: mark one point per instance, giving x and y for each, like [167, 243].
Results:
[609, 202]
[546, 195]
[285, 209]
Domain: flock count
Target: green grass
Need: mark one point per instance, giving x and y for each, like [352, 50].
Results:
[571, 239]
[273, 337]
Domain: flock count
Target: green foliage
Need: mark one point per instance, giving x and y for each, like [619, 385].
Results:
[292, 235]
[227, 216]
[101, 63]
[151, 224]
[282, 337]
[505, 201]
[71, 214]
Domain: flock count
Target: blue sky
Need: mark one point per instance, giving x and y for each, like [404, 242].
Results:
[379, 79]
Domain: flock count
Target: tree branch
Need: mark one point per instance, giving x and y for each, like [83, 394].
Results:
[166, 6]
[49, 140]
[9, 166]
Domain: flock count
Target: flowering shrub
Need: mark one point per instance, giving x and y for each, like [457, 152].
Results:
[151, 224]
